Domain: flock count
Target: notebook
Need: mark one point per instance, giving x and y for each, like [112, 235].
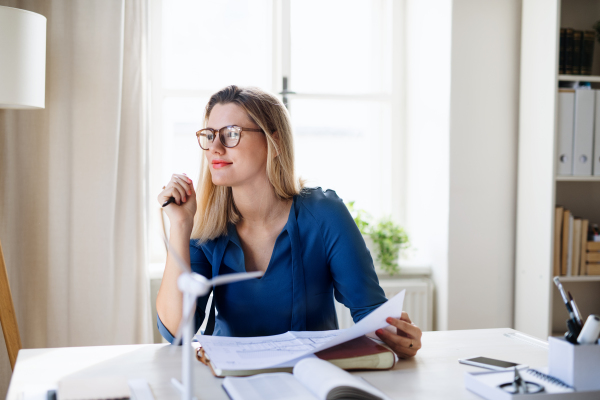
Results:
[485, 384]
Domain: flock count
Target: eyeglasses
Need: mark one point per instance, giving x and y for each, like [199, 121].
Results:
[229, 136]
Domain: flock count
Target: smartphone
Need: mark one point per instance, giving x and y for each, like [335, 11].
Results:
[490, 363]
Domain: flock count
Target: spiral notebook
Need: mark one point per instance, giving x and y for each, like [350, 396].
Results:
[485, 384]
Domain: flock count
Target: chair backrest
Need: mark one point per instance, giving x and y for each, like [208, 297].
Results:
[8, 317]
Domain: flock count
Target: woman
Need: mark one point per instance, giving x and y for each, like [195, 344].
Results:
[252, 214]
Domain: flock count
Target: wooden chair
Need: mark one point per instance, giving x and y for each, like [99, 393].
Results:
[8, 317]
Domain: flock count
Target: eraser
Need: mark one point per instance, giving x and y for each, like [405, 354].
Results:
[591, 330]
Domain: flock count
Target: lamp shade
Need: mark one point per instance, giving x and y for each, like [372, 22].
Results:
[22, 59]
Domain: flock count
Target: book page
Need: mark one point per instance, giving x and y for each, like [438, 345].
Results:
[321, 377]
[231, 353]
[277, 386]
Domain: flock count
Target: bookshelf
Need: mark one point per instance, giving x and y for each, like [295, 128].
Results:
[580, 279]
[538, 307]
[579, 78]
[578, 179]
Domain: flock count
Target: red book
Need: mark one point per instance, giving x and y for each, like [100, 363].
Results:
[359, 353]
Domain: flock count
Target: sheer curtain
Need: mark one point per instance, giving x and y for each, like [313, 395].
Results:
[73, 183]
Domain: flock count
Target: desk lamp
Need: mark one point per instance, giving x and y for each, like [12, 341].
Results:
[22, 86]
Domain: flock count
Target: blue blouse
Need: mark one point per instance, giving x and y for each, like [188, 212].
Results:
[319, 252]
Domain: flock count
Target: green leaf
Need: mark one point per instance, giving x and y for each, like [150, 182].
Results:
[388, 237]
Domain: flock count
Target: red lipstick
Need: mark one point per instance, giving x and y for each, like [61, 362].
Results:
[220, 163]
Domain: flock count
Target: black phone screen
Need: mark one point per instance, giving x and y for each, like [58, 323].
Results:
[491, 361]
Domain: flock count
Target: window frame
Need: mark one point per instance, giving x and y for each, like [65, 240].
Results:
[281, 66]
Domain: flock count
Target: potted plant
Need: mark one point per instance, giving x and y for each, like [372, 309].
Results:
[384, 239]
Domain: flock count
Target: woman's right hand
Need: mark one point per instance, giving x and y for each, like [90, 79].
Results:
[182, 189]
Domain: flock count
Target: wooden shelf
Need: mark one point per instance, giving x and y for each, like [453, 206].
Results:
[579, 78]
[538, 309]
[578, 178]
[584, 278]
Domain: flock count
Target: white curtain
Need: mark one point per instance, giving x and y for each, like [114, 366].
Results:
[73, 182]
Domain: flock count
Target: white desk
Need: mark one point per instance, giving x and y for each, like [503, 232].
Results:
[433, 374]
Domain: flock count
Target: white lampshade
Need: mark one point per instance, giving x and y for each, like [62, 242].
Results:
[22, 59]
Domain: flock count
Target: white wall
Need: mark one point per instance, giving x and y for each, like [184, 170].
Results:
[427, 54]
[462, 114]
[483, 162]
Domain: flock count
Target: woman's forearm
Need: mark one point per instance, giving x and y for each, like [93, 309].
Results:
[169, 301]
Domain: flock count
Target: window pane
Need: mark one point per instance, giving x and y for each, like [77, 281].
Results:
[344, 146]
[211, 44]
[340, 46]
[182, 117]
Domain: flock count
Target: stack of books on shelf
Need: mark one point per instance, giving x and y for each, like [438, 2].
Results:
[578, 132]
[576, 245]
[576, 52]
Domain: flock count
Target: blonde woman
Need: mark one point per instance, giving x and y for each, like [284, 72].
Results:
[251, 213]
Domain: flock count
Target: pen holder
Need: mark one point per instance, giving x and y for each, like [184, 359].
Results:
[576, 365]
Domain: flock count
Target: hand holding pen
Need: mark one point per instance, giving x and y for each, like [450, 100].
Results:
[180, 191]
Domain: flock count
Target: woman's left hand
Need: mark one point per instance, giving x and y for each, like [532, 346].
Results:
[407, 339]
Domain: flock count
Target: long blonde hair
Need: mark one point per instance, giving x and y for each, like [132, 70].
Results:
[216, 206]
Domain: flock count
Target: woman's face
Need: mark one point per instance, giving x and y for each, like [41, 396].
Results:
[243, 163]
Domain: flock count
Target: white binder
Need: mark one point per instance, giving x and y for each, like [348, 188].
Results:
[596, 153]
[566, 108]
[583, 132]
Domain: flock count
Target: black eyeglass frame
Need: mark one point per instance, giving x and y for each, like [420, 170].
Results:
[222, 137]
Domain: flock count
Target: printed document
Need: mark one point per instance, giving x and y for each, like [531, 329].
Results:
[286, 349]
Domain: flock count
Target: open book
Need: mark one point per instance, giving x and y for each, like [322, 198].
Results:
[275, 353]
[312, 379]
[360, 353]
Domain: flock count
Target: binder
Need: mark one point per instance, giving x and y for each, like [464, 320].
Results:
[558, 223]
[576, 251]
[566, 108]
[583, 132]
[596, 153]
[570, 246]
[565, 242]
[583, 252]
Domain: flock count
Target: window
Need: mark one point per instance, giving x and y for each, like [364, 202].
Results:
[332, 59]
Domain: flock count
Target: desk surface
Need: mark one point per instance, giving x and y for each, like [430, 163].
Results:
[433, 374]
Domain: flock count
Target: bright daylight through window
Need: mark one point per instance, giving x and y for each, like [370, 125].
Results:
[341, 101]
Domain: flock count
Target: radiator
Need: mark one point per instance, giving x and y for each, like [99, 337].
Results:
[418, 301]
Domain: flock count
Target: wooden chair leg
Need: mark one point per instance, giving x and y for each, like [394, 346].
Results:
[8, 317]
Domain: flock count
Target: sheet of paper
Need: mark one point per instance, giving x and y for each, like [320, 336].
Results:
[230, 353]
[246, 353]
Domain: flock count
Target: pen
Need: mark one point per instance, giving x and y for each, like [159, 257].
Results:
[575, 309]
[564, 296]
[573, 324]
[171, 200]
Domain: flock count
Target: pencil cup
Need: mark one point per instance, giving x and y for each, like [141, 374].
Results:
[575, 365]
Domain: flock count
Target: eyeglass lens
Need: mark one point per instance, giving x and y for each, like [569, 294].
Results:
[229, 136]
